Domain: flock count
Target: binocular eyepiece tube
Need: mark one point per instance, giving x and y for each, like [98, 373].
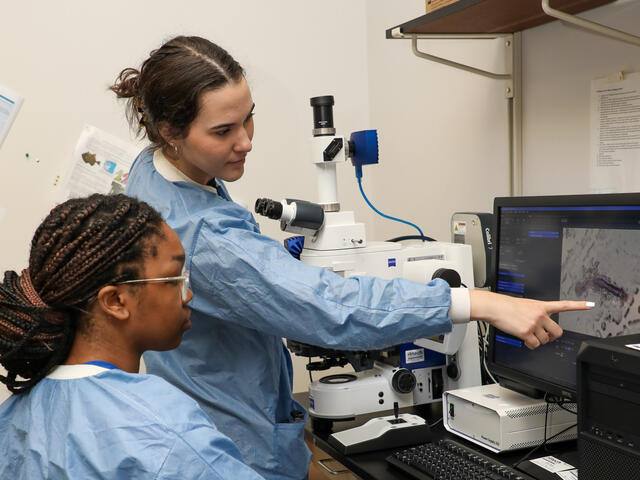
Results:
[269, 208]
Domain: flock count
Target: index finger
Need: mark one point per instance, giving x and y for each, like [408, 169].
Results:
[567, 305]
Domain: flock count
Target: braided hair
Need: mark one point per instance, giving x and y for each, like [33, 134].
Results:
[81, 246]
[167, 88]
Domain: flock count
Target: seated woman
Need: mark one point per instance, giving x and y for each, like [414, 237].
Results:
[105, 282]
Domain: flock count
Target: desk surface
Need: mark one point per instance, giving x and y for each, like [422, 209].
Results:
[373, 466]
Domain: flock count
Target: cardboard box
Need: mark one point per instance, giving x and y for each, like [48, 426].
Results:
[436, 4]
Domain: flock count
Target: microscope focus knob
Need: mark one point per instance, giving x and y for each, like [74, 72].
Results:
[403, 381]
[452, 371]
[448, 275]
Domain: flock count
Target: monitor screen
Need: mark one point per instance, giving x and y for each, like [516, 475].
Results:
[578, 247]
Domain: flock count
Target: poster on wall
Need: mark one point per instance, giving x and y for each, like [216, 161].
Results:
[615, 134]
[100, 164]
[10, 103]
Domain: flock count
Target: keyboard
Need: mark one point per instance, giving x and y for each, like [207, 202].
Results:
[449, 460]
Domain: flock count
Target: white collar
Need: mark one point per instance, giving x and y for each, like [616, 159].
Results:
[171, 173]
[69, 372]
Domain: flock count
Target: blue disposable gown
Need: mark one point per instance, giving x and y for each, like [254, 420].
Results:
[108, 424]
[249, 293]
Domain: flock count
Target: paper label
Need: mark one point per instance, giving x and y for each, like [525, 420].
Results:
[568, 474]
[414, 356]
[635, 346]
[552, 464]
[460, 228]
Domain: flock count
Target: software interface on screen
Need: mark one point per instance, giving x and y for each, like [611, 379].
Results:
[581, 253]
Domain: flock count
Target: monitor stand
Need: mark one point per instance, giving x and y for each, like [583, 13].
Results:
[527, 390]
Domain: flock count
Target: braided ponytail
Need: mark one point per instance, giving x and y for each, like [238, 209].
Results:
[82, 245]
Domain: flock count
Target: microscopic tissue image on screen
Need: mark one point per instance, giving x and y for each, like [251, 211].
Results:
[603, 266]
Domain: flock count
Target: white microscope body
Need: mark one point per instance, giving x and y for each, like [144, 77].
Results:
[335, 241]
[375, 389]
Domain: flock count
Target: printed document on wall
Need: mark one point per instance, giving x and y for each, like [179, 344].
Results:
[100, 164]
[10, 103]
[615, 134]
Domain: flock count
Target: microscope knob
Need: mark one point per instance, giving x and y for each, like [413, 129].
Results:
[403, 381]
[452, 371]
[448, 275]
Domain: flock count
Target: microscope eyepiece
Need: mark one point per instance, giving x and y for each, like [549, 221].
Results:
[294, 215]
[269, 208]
[323, 115]
[325, 100]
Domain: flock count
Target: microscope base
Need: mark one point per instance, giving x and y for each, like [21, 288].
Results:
[342, 397]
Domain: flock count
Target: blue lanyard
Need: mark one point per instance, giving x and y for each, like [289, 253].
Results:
[100, 363]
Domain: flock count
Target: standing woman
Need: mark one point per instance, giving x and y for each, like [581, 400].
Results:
[105, 282]
[192, 101]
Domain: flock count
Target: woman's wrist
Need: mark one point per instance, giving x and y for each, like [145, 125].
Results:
[480, 305]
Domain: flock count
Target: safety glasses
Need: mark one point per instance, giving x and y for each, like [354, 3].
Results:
[183, 280]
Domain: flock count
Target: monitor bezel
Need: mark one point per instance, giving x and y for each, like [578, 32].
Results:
[503, 372]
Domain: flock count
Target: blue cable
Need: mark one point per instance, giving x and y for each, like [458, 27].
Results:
[382, 214]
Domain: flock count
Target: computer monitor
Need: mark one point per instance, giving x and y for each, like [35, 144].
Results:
[577, 247]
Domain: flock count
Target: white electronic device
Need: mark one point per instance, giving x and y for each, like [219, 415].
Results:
[473, 228]
[382, 433]
[500, 419]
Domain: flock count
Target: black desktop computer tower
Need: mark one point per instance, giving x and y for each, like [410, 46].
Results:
[608, 388]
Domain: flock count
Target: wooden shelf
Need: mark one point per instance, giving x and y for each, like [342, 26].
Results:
[490, 16]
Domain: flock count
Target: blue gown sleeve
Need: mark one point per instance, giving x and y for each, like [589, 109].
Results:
[204, 453]
[176, 429]
[250, 279]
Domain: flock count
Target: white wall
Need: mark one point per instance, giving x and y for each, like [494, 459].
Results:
[442, 131]
[559, 63]
[63, 55]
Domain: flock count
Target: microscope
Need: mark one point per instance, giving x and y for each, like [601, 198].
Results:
[400, 376]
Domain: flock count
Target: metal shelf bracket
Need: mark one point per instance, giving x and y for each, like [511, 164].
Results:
[589, 25]
[508, 48]
[512, 89]
[508, 52]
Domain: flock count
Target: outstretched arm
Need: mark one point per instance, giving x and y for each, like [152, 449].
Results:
[526, 319]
